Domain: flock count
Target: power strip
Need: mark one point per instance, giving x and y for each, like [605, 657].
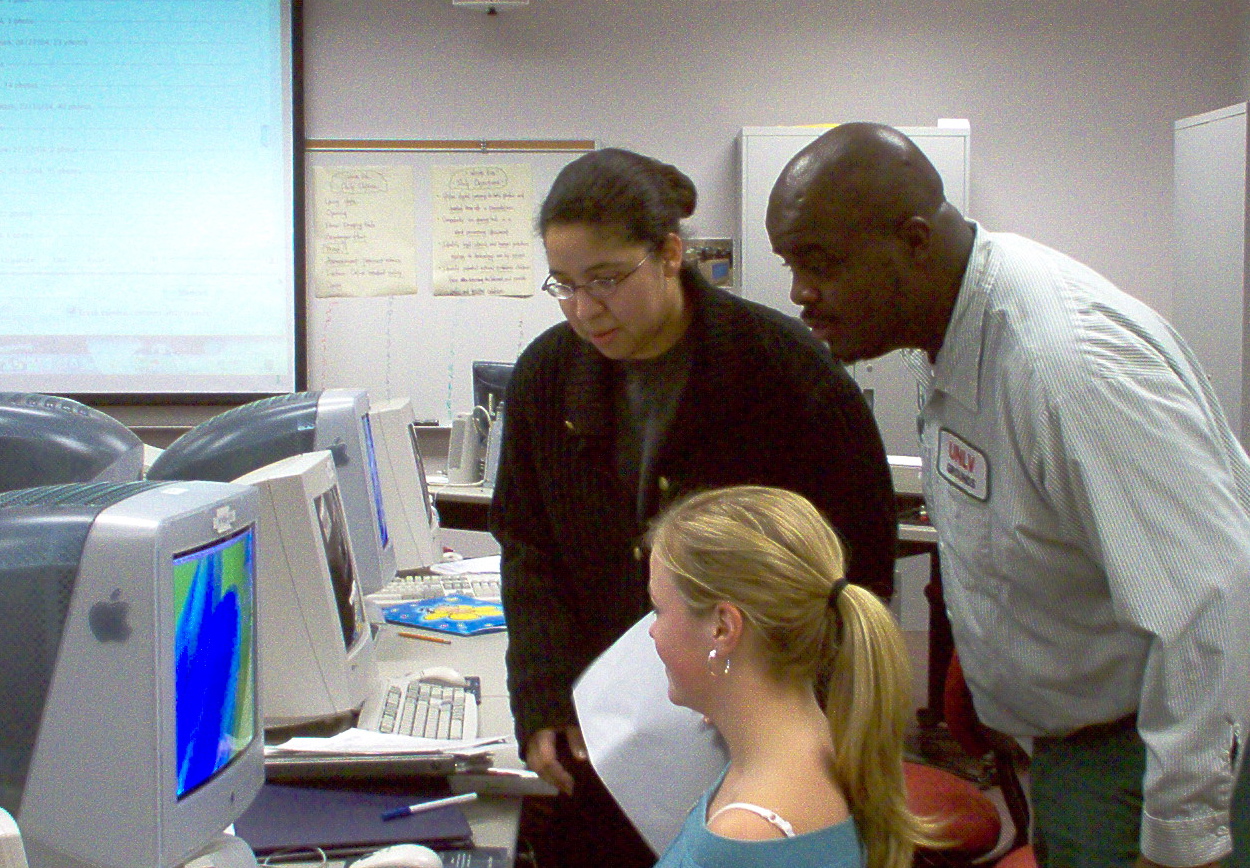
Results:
[12, 853]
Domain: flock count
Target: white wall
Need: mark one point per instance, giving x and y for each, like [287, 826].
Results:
[1244, 30]
[1071, 103]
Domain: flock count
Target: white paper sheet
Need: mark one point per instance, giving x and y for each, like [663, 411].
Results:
[655, 758]
[467, 566]
[365, 742]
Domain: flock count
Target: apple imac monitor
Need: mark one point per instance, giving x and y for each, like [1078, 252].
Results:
[46, 440]
[317, 659]
[247, 438]
[409, 506]
[128, 670]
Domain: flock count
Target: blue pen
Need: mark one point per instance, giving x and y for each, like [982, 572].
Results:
[422, 807]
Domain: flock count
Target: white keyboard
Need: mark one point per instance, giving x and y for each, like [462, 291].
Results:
[406, 706]
[483, 586]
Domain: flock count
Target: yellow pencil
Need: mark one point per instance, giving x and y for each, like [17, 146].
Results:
[439, 639]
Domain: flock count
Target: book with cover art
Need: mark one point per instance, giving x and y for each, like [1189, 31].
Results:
[462, 615]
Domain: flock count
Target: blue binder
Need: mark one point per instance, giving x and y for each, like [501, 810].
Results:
[344, 821]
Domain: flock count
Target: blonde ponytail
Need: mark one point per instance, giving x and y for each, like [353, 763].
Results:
[869, 707]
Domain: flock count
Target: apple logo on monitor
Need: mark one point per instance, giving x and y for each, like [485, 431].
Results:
[107, 618]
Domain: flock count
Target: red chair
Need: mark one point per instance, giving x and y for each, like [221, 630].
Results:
[970, 820]
[975, 824]
[1008, 759]
[1021, 857]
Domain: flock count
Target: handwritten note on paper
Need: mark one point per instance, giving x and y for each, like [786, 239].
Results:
[364, 231]
[483, 230]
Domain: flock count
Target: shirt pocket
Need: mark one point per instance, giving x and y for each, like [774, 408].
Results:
[966, 548]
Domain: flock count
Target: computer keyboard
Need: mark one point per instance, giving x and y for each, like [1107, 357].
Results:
[423, 709]
[483, 586]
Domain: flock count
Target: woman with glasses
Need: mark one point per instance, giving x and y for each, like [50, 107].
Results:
[657, 384]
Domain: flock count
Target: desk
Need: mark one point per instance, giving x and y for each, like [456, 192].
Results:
[466, 506]
[495, 815]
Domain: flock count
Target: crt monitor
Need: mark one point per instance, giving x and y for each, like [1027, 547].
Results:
[247, 438]
[46, 440]
[128, 667]
[490, 385]
[316, 648]
[409, 505]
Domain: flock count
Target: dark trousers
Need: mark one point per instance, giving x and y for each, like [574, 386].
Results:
[1240, 857]
[1087, 800]
[1087, 797]
[585, 830]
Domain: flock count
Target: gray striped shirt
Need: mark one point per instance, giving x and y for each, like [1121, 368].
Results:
[1093, 513]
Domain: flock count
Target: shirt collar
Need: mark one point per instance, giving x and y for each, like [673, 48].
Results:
[956, 371]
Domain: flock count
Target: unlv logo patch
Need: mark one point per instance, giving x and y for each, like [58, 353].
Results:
[963, 465]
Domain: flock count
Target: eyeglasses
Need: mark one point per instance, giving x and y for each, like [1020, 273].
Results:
[599, 288]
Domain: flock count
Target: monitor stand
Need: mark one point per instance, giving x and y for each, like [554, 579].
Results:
[226, 851]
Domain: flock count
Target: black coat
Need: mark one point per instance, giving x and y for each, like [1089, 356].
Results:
[764, 403]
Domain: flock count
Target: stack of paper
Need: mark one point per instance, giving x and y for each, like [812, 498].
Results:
[467, 566]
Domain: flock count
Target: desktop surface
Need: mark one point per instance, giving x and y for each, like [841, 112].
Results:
[468, 502]
[495, 815]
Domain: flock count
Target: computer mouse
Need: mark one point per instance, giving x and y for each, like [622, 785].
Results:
[401, 856]
[444, 675]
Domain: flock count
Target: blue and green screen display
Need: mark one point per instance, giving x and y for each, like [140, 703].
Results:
[214, 656]
[371, 456]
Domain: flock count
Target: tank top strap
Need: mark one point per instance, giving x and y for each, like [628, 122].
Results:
[771, 816]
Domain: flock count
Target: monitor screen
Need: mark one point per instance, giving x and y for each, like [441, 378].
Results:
[214, 676]
[371, 461]
[148, 191]
[347, 597]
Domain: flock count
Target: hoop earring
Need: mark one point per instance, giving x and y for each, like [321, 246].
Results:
[711, 664]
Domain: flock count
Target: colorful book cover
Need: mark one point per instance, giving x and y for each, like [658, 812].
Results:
[465, 616]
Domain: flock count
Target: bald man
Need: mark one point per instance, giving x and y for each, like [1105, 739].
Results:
[1091, 502]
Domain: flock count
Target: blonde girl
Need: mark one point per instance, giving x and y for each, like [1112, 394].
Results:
[752, 609]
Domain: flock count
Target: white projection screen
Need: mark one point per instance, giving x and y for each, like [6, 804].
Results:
[148, 223]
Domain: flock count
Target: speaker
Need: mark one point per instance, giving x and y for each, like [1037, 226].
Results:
[464, 453]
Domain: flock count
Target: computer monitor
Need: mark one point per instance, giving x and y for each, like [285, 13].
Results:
[317, 659]
[247, 438]
[490, 385]
[128, 670]
[409, 506]
[46, 440]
